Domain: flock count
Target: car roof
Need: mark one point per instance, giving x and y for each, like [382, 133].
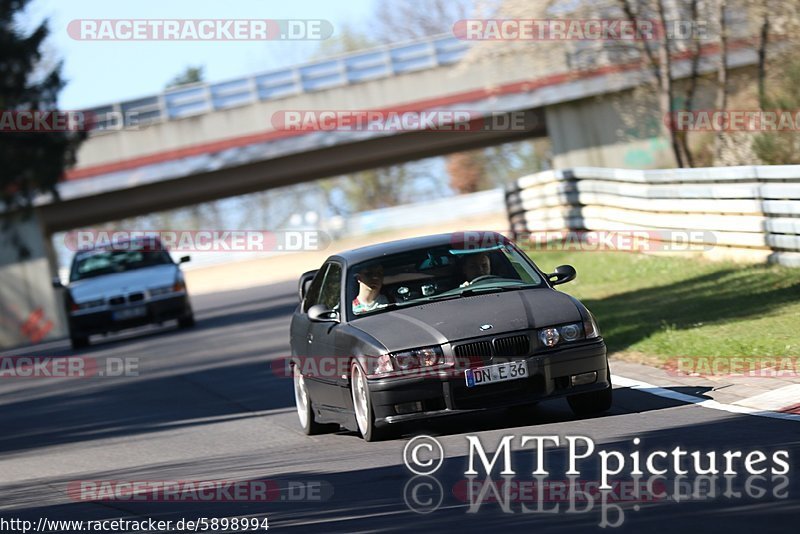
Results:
[370, 252]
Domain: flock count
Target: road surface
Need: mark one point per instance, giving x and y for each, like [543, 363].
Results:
[205, 404]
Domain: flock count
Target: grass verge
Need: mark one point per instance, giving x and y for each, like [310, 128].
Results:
[651, 306]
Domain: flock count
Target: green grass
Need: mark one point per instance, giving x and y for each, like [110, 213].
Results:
[678, 306]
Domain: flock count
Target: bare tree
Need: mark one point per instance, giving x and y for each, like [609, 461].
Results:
[722, 72]
[763, 36]
[467, 171]
[189, 75]
[413, 19]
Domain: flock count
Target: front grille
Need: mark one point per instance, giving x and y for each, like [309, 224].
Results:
[477, 352]
[135, 297]
[508, 347]
[482, 352]
[114, 301]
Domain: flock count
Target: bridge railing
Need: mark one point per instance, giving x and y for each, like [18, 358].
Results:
[357, 67]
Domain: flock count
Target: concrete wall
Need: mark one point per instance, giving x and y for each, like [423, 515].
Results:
[30, 309]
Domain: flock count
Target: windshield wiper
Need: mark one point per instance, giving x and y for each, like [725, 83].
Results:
[466, 292]
[494, 289]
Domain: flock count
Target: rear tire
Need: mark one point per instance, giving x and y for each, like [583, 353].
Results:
[592, 403]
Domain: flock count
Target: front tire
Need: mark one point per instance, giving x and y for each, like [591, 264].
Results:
[362, 406]
[187, 321]
[305, 409]
[79, 342]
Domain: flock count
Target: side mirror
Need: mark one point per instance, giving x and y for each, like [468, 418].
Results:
[319, 313]
[562, 274]
[304, 282]
[57, 282]
[184, 259]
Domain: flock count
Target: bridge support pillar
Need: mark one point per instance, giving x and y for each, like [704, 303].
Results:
[594, 133]
[30, 309]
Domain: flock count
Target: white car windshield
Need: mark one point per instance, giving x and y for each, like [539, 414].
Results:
[100, 262]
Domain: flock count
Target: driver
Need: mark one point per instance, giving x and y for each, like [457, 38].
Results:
[474, 266]
[370, 282]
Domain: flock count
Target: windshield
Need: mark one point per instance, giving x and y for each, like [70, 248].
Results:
[99, 262]
[427, 274]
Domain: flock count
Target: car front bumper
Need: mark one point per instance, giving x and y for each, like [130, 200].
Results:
[157, 310]
[401, 399]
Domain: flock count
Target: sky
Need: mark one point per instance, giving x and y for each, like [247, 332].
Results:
[102, 72]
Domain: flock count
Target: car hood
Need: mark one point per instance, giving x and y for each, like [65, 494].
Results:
[108, 285]
[457, 319]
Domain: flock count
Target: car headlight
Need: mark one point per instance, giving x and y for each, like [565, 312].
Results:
[549, 336]
[384, 364]
[410, 359]
[571, 332]
[552, 336]
[156, 291]
[91, 304]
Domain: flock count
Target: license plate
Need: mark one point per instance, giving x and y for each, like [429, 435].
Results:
[492, 374]
[130, 313]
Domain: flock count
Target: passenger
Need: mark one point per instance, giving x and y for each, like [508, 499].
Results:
[370, 282]
[475, 266]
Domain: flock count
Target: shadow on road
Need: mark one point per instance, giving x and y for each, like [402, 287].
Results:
[175, 387]
[388, 497]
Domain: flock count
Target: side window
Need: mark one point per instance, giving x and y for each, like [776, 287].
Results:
[312, 295]
[332, 287]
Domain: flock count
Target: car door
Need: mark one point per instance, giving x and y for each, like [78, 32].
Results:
[324, 388]
[300, 334]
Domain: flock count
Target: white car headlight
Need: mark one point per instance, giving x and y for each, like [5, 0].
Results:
[156, 291]
[91, 304]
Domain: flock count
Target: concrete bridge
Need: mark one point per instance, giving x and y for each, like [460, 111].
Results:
[209, 141]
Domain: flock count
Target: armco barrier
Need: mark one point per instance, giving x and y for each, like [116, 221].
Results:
[751, 212]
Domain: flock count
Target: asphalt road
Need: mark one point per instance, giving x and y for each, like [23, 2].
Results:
[207, 405]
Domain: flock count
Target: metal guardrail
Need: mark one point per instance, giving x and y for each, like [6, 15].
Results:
[749, 209]
[357, 67]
